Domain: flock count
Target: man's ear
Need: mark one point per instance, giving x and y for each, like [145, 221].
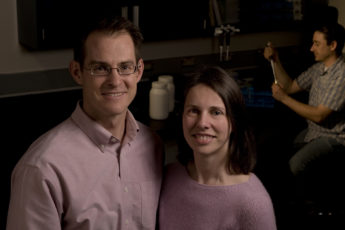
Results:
[333, 45]
[140, 69]
[75, 71]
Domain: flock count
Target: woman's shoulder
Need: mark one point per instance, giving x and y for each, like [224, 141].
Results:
[257, 205]
[255, 190]
[255, 182]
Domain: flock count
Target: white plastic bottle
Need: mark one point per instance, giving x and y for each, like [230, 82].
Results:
[168, 79]
[159, 101]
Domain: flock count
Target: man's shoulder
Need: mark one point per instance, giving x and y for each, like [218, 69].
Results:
[51, 141]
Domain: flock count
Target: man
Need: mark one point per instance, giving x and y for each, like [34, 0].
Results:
[99, 169]
[325, 111]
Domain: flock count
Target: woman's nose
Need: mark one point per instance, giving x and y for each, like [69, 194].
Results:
[203, 121]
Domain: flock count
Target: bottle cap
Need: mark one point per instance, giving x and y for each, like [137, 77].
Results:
[158, 85]
[165, 78]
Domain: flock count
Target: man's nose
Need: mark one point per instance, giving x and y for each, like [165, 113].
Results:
[114, 76]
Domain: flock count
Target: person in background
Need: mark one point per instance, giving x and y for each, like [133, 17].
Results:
[212, 185]
[325, 83]
[100, 168]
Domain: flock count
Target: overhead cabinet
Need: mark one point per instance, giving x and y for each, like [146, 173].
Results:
[51, 24]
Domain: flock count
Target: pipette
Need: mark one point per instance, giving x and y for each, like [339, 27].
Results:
[274, 72]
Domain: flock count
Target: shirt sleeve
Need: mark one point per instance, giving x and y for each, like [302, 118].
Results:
[305, 79]
[32, 205]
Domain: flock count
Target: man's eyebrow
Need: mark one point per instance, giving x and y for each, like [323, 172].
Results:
[93, 62]
[98, 62]
[126, 62]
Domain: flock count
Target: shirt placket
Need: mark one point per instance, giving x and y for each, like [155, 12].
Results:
[131, 193]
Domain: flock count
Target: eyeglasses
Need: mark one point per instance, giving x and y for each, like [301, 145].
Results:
[101, 69]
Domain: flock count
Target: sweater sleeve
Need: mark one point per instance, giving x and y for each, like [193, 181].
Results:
[260, 216]
[258, 211]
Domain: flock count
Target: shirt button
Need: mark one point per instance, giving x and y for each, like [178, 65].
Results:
[126, 189]
[113, 140]
[101, 147]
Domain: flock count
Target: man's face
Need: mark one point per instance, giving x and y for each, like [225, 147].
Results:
[321, 50]
[107, 97]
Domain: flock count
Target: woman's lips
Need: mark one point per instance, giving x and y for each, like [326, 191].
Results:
[203, 138]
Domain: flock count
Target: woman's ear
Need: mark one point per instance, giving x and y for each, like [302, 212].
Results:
[75, 71]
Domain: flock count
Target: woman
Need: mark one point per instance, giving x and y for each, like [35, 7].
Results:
[212, 186]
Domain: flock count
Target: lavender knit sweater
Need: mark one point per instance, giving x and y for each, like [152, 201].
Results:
[188, 205]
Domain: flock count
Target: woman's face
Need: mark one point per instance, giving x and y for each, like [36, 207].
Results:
[205, 124]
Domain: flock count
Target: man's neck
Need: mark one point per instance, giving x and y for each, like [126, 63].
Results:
[116, 126]
[330, 61]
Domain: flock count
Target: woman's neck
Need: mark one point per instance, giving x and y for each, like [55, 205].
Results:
[210, 171]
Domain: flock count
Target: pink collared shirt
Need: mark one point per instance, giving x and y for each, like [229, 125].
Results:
[77, 176]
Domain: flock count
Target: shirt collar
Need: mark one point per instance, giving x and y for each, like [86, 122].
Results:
[97, 133]
[132, 128]
[340, 59]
